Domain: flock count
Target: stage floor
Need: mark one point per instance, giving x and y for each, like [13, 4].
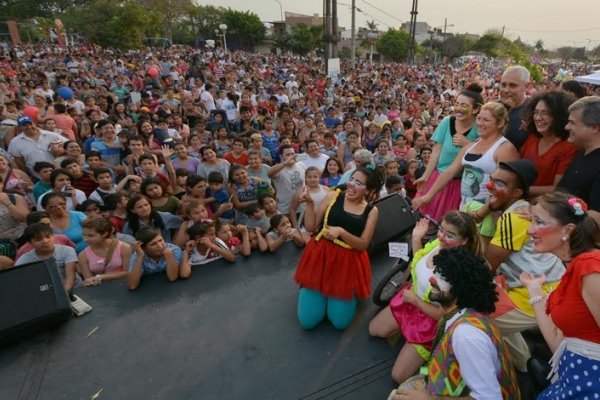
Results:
[229, 332]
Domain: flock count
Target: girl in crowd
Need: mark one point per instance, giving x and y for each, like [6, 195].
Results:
[383, 153]
[569, 318]
[346, 149]
[410, 312]
[402, 149]
[546, 146]
[204, 245]
[106, 258]
[332, 173]
[282, 231]
[450, 136]
[193, 211]
[64, 221]
[317, 193]
[194, 145]
[211, 163]
[243, 190]
[141, 213]
[372, 138]
[156, 191]
[234, 243]
[328, 286]
[477, 161]
[183, 159]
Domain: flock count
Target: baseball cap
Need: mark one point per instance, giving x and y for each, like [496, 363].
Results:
[526, 171]
[24, 120]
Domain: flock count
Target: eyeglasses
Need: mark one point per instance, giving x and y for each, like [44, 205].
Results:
[357, 183]
[542, 114]
[56, 206]
[448, 234]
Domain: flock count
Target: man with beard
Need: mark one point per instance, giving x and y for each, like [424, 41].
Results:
[469, 359]
[511, 251]
[513, 86]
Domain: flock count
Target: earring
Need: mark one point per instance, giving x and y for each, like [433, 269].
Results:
[564, 238]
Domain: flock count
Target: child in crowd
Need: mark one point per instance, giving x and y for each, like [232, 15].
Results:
[218, 198]
[43, 170]
[394, 184]
[80, 179]
[281, 232]
[409, 178]
[317, 192]
[257, 218]
[91, 208]
[105, 258]
[156, 191]
[238, 154]
[116, 204]
[222, 142]
[205, 246]
[40, 237]
[193, 211]
[106, 186]
[268, 201]
[328, 147]
[224, 232]
[149, 168]
[332, 173]
[195, 189]
[181, 176]
[41, 217]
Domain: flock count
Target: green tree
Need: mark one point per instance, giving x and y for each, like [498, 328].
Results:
[172, 12]
[245, 26]
[539, 45]
[26, 9]
[303, 39]
[457, 45]
[393, 44]
[493, 44]
[565, 52]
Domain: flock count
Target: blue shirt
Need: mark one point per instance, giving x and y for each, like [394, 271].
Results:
[151, 266]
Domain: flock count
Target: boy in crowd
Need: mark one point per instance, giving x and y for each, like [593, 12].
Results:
[80, 179]
[218, 198]
[116, 203]
[43, 169]
[41, 238]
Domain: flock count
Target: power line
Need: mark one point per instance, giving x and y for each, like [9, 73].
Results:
[366, 14]
[567, 31]
[382, 11]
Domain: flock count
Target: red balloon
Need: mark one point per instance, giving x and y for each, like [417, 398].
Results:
[31, 112]
[153, 72]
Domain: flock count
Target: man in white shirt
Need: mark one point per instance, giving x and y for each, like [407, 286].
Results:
[207, 98]
[313, 157]
[470, 357]
[287, 177]
[33, 145]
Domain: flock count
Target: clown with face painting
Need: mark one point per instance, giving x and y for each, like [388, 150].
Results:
[412, 312]
[511, 252]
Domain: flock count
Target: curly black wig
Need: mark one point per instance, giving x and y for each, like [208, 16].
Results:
[470, 276]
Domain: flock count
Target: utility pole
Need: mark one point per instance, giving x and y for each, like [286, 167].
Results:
[412, 48]
[353, 50]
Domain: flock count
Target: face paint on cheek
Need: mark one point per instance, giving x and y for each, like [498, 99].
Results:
[440, 282]
[546, 230]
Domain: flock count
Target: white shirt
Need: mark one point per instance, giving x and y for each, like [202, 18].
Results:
[33, 151]
[208, 100]
[318, 162]
[478, 360]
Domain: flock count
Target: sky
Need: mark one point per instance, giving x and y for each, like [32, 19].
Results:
[556, 22]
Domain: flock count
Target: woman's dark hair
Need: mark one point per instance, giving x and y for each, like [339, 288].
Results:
[146, 235]
[87, 203]
[36, 216]
[574, 87]
[382, 141]
[56, 173]
[68, 142]
[473, 91]
[134, 220]
[467, 229]
[374, 182]
[586, 235]
[558, 102]
[203, 149]
[470, 277]
[325, 173]
[50, 196]
[153, 180]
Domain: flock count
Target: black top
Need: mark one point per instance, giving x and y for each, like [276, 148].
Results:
[354, 224]
[513, 130]
[582, 178]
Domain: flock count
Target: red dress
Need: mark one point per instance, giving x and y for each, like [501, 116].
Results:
[331, 269]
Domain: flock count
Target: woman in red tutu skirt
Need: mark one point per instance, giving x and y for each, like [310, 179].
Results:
[335, 269]
[410, 312]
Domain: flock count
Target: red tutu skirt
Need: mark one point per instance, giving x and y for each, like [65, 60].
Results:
[447, 199]
[416, 326]
[334, 271]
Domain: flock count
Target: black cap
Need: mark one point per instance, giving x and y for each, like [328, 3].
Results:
[525, 169]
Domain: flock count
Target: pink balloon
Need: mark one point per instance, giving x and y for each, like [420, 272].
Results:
[31, 112]
[153, 72]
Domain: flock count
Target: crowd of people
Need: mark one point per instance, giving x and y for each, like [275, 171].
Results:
[119, 165]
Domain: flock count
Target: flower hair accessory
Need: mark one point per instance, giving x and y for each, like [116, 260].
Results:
[578, 206]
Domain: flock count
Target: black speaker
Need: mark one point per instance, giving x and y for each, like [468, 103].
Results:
[396, 219]
[32, 297]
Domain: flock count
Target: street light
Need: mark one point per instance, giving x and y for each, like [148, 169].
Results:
[223, 29]
[280, 9]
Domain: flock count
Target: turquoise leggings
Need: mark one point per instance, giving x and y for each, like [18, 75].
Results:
[312, 307]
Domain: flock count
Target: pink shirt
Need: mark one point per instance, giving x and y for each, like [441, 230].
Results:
[96, 263]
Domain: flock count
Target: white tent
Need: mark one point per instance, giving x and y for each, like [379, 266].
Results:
[593, 78]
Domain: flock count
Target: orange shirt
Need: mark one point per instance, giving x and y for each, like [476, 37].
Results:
[553, 162]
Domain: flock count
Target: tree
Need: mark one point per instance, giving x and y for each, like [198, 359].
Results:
[245, 26]
[26, 9]
[172, 11]
[565, 52]
[302, 39]
[457, 45]
[393, 44]
[371, 25]
[539, 45]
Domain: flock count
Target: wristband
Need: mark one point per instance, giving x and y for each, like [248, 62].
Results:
[98, 277]
[537, 299]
